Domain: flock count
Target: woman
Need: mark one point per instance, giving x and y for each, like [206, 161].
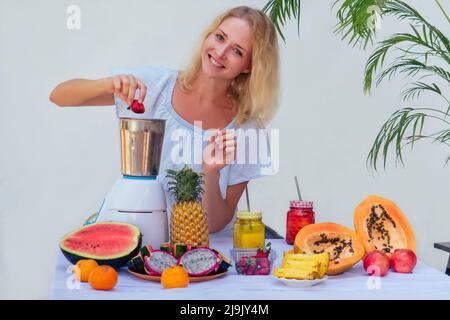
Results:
[230, 83]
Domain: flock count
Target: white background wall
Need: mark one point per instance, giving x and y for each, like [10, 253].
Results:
[56, 164]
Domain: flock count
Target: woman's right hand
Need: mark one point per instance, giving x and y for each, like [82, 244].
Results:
[125, 86]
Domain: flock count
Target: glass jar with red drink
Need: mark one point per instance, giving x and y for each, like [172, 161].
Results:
[300, 214]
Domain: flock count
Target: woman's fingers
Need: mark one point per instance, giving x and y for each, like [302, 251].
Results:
[125, 87]
[132, 89]
[230, 154]
[229, 135]
[230, 143]
[226, 142]
[220, 149]
[230, 146]
[225, 139]
[142, 90]
[117, 85]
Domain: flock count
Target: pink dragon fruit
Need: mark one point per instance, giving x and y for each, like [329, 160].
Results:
[157, 261]
[200, 261]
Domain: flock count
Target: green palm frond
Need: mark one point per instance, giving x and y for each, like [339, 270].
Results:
[443, 136]
[357, 20]
[422, 55]
[403, 128]
[416, 88]
[426, 40]
[403, 11]
[282, 10]
[411, 66]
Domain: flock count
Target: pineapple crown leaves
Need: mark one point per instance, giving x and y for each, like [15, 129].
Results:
[185, 184]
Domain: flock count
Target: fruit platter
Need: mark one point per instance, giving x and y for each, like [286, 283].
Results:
[200, 263]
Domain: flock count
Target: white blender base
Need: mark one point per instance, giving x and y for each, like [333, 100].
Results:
[141, 202]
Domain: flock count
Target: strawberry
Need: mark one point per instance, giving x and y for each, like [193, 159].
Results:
[136, 107]
[251, 262]
[264, 252]
[264, 263]
[242, 263]
[264, 271]
[242, 270]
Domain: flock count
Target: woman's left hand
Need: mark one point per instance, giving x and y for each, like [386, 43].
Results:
[220, 151]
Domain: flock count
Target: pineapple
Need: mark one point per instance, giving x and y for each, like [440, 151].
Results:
[188, 224]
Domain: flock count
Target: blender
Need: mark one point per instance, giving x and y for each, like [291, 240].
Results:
[138, 197]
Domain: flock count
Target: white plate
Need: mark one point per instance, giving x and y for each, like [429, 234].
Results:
[300, 283]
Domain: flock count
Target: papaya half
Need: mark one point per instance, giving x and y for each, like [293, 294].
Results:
[342, 244]
[382, 225]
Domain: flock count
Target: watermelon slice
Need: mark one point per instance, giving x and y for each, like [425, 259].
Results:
[108, 243]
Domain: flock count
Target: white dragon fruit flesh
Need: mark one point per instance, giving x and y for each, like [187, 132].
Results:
[158, 261]
[200, 261]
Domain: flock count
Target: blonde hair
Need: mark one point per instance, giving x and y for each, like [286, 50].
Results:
[255, 94]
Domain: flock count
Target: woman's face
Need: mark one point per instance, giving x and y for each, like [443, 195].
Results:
[227, 51]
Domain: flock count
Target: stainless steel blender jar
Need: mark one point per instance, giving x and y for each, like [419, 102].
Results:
[138, 197]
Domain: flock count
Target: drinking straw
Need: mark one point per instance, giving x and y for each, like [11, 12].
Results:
[248, 200]
[298, 189]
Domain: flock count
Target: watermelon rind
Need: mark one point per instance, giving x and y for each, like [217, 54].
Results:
[224, 264]
[116, 261]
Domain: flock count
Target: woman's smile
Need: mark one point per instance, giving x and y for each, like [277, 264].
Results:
[215, 62]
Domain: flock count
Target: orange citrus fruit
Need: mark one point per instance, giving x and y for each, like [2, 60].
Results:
[103, 278]
[83, 268]
[174, 277]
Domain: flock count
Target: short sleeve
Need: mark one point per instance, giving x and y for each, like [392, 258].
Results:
[156, 79]
[254, 155]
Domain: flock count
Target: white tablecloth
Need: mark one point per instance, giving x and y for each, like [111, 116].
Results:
[424, 283]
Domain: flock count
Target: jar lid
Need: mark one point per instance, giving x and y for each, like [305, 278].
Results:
[249, 214]
[302, 204]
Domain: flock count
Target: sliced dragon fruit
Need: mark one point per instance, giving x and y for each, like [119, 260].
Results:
[158, 261]
[200, 261]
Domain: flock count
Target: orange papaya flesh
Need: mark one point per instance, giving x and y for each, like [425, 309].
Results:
[382, 225]
[343, 245]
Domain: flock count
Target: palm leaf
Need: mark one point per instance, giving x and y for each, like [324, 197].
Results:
[410, 66]
[282, 10]
[426, 41]
[403, 11]
[404, 127]
[419, 87]
[354, 17]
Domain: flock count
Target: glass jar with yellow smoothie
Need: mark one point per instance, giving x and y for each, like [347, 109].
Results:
[248, 230]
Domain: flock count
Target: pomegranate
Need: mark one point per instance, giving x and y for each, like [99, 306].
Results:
[403, 260]
[376, 263]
